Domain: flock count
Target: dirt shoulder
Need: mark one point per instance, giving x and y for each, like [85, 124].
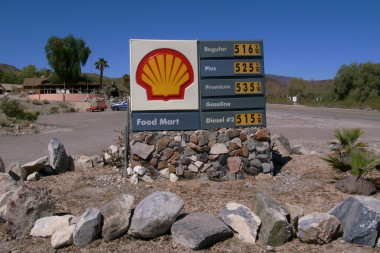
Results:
[305, 181]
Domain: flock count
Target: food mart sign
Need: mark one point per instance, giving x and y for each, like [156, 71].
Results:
[189, 85]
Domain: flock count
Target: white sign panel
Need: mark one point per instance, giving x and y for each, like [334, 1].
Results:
[164, 75]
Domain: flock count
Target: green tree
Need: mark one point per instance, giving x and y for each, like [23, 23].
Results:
[66, 56]
[29, 71]
[101, 64]
[296, 87]
[360, 82]
[111, 90]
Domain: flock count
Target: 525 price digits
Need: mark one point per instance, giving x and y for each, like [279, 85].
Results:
[247, 67]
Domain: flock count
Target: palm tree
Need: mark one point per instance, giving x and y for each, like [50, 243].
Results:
[101, 64]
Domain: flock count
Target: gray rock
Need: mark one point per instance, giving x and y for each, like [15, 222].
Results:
[155, 214]
[2, 166]
[241, 220]
[199, 230]
[251, 144]
[281, 145]
[222, 138]
[268, 167]
[262, 147]
[14, 170]
[134, 179]
[211, 135]
[3, 204]
[173, 177]
[63, 237]
[360, 218]
[300, 150]
[140, 170]
[193, 168]
[229, 177]
[46, 226]
[218, 148]
[355, 185]
[188, 152]
[319, 228]
[116, 216]
[58, 158]
[7, 183]
[34, 201]
[82, 162]
[32, 167]
[295, 213]
[97, 161]
[88, 227]
[142, 150]
[202, 140]
[275, 229]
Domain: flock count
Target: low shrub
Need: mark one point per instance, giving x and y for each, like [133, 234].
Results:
[45, 102]
[12, 108]
[71, 109]
[36, 102]
[53, 110]
[4, 122]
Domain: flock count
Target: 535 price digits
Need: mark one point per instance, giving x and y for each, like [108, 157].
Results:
[247, 87]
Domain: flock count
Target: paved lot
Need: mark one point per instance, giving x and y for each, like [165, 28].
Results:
[88, 133]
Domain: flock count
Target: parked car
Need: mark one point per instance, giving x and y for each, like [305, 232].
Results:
[99, 105]
[122, 106]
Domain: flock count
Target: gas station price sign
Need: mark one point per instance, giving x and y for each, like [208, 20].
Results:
[232, 84]
[191, 85]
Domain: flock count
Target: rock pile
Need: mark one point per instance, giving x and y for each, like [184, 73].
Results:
[227, 154]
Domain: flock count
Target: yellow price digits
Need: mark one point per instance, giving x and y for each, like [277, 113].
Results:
[248, 119]
[246, 49]
[247, 67]
[247, 87]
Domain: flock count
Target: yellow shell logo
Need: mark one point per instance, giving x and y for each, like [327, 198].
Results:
[165, 74]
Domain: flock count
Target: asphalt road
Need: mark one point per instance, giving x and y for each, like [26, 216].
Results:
[86, 133]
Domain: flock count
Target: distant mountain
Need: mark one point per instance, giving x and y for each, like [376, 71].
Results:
[280, 79]
[6, 67]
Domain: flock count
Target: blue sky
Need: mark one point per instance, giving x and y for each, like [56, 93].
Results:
[302, 38]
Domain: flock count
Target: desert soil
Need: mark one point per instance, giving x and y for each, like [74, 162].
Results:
[305, 181]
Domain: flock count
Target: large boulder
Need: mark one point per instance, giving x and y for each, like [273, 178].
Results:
[281, 145]
[155, 214]
[7, 183]
[63, 237]
[199, 230]
[116, 216]
[32, 167]
[319, 228]
[28, 204]
[241, 220]
[46, 226]
[58, 158]
[360, 218]
[275, 229]
[14, 170]
[88, 227]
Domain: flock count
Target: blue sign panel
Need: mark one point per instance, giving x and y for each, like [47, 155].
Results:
[232, 103]
[236, 67]
[231, 119]
[232, 87]
[149, 121]
[214, 49]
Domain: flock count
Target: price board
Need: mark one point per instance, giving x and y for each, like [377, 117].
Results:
[232, 84]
